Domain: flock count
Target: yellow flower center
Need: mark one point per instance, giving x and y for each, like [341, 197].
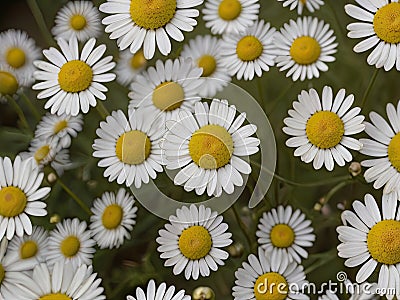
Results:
[8, 83]
[168, 96]
[208, 63]
[2, 273]
[387, 23]
[78, 22]
[324, 129]
[15, 57]
[249, 48]
[12, 201]
[75, 76]
[394, 152]
[271, 286]
[41, 153]
[28, 249]
[303, 2]
[152, 14]
[55, 296]
[138, 60]
[195, 242]
[60, 126]
[383, 242]
[133, 147]
[282, 236]
[112, 216]
[70, 246]
[229, 9]
[211, 147]
[305, 50]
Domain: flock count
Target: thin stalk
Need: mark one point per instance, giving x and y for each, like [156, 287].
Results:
[32, 108]
[335, 189]
[74, 196]
[19, 111]
[102, 110]
[37, 14]
[368, 90]
[242, 225]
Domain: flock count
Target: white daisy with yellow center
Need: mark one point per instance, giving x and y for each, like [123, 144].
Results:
[230, 16]
[372, 239]
[266, 277]
[129, 66]
[321, 128]
[304, 48]
[71, 80]
[282, 230]
[63, 281]
[113, 218]
[207, 145]
[161, 292]
[379, 25]
[77, 19]
[311, 5]
[168, 86]
[249, 52]
[10, 83]
[384, 145]
[192, 240]
[70, 242]
[205, 51]
[143, 23]
[42, 151]
[20, 196]
[18, 51]
[129, 148]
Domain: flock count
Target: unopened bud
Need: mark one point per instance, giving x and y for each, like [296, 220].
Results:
[236, 250]
[203, 293]
[51, 178]
[54, 219]
[355, 168]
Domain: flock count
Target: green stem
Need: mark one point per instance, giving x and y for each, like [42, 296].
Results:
[74, 196]
[102, 110]
[242, 225]
[33, 109]
[368, 90]
[19, 111]
[335, 189]
[37, 14]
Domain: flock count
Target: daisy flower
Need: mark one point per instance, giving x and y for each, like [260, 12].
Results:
[321, 127]
[113, 218]
[282, 230]
[230, 16]
[129, 148]
[266, 277]
[43, 151]
[311, 5]
[10, 83]
[18, 51]
[384, 169]
[250, 51]
[70, 242]
[166, 87]
[380, 29]
[20, 196]
[206, 54]
[152, 292]
[73, 81]
[129, 66]
[63, 281]
[207, 146]
[304, 47]
[140, 23]
[77, 19]
[192, 240]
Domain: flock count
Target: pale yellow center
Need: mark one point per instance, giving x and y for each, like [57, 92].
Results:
[271, 286]
[70, 246]
[282, 236]
[60, 126]
[138, 61]
[168, 96]
[303, 2]
[249, 48]
[15, 57]
[2, 273]
[75, 76]
[55, 296]
[152, 14]
[324, 129]
[387, 23]
[394, 152]
[133, 147]
[112, 216]
[41, 153]
[8, 83]
[211, 147]
[208, 63]
[12, 201]
[195, 242]
[28, 249]
[305, 50]
[229, 9]
[78, 22]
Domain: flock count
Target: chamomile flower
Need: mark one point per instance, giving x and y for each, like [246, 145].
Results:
[192, 240]
[10, 83]
[311, 5]
[304, 47]
[379, 27]
[43, 151]
[129, 66]
[113, 218]
[140, 23]
[230, 16]
[168, 86]
[70, 242]
[77, 19]
[321, 128]
[269, 277]
[207, 146]
[129, 148]
[71, 80]
[370, 239]
[161, 292]
[250, 51]
[20, 196]
[18, 51]
[206, 54]
[282, 230]
[384, 145]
